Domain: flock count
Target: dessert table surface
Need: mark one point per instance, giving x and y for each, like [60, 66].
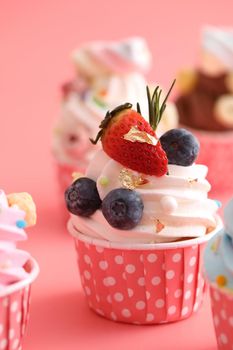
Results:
[36, 39]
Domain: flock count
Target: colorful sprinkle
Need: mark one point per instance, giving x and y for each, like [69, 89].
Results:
[221, 280]
[103, 92]
[219, 204]
[21, 223]
[99, 102]
[104, 181]
[215, 245]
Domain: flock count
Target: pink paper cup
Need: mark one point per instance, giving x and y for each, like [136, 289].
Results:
[222, 310]
[14, 309]
[141, 283]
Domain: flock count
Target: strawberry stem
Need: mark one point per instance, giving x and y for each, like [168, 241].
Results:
[106, 120]
[155, 111]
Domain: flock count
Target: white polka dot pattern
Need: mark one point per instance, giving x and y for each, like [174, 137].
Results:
[142, 286]
[14, 310]
[222, 309]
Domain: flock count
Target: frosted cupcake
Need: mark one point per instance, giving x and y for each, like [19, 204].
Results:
[17, 268]
[205, 104]
[140, 219]
[108, 74]
[219, 271]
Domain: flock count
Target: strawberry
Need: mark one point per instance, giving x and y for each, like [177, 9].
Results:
[141, 152]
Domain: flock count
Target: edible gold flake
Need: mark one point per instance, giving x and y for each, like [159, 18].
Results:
[131, 181]
[135, 135]
[192, 181]
[158, 226]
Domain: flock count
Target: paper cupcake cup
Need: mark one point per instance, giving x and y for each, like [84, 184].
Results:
[222, 310]
[216, 151]
[14, 309]
[141, 283]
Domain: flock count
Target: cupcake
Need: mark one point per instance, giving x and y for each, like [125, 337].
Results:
[218, 260]
[205, 104]
[140, 219]
[108, 73]
[17, 268]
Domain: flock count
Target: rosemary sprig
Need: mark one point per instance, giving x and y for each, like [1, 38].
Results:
[155, 111]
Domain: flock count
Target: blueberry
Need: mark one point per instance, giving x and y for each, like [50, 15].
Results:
[122, 208]
[181, 146]
[82, 197]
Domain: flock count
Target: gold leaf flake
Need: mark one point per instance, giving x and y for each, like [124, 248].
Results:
[192, 181]
[130, 180]
[135, 135]
[158, 226]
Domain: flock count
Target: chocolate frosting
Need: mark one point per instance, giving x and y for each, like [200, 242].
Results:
[196, 107]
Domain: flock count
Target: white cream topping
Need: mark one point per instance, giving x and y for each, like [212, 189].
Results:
[175, 206]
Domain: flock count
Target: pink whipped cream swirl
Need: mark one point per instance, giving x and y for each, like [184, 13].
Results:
[12, 260]
[176, 206]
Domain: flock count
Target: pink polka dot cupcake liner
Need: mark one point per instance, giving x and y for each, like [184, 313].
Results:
[216, 151]
[222, 310]
[141, 283]
[14, 310]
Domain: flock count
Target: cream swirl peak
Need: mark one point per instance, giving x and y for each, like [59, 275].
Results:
[17, 210]
[113, 57]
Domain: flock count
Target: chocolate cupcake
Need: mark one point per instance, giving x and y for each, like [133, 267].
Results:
[205, 104]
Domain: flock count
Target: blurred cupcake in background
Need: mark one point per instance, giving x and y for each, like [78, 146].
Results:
[218, 259]
[205, 104]
[17, 268]
[108, 73]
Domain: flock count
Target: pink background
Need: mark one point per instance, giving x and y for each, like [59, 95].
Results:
[36, 38]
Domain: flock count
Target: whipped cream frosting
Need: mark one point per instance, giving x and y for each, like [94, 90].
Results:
[110, 73]
[107, 57]
[12, 260]
[219, 42]
[218, 257]
[176, 206]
